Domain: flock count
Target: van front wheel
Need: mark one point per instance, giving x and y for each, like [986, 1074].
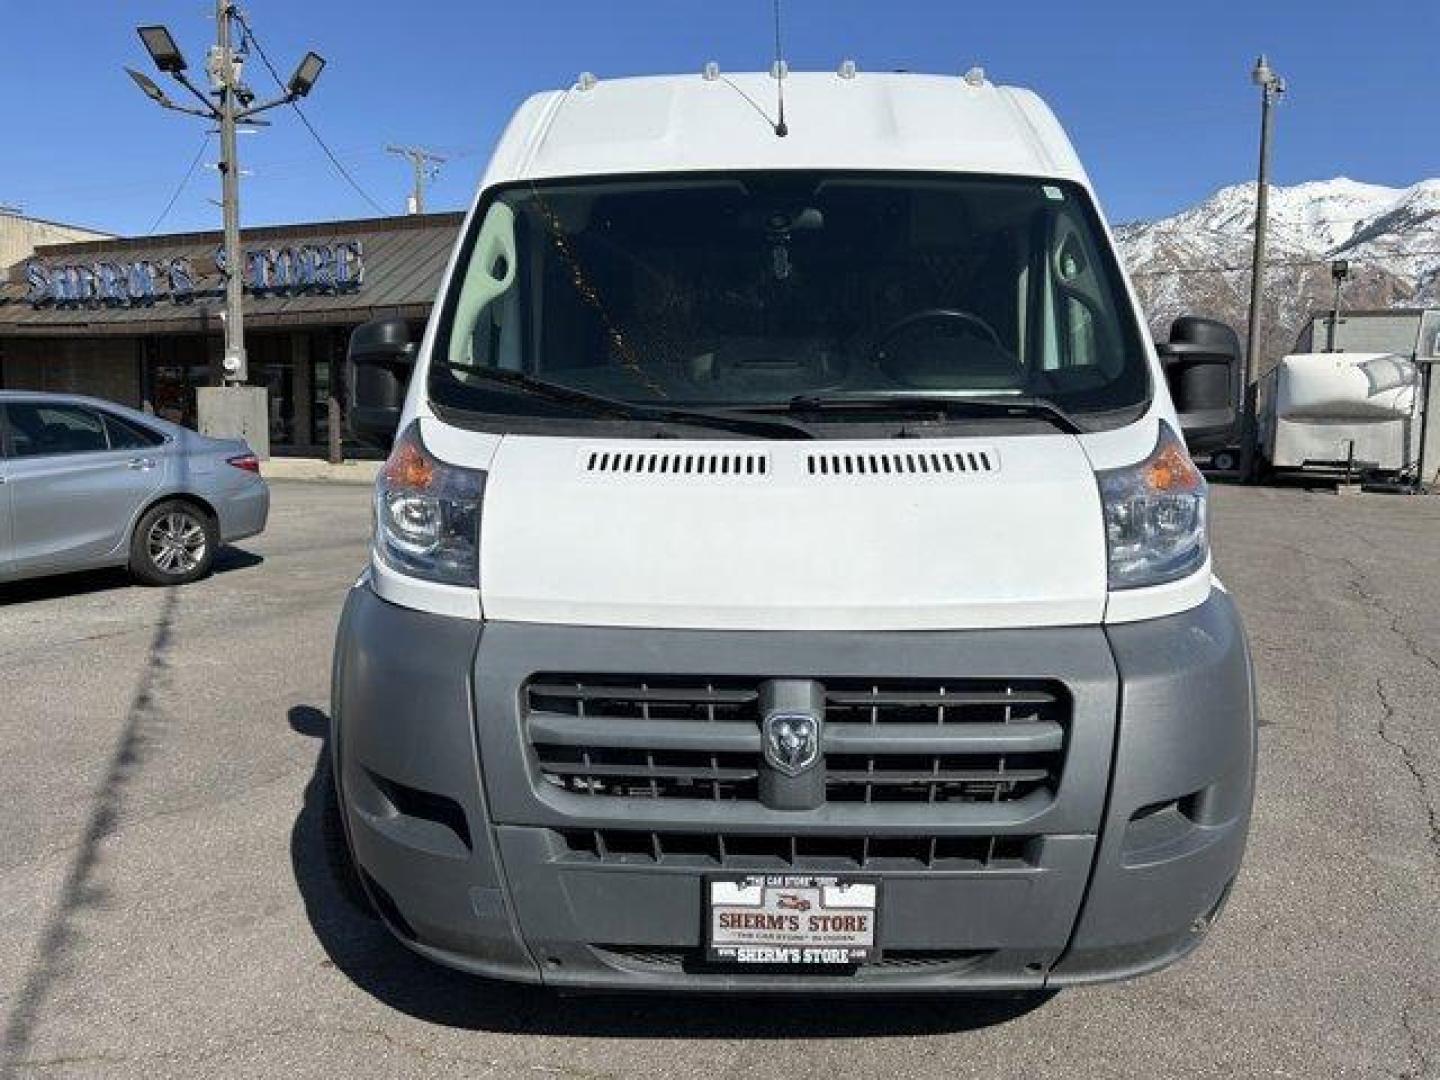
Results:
[173, 544]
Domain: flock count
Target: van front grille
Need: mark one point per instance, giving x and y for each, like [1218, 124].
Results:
[905, 741]
[795, 852]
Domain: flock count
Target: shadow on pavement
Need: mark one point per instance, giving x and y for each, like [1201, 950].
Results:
[57, 586]
[360, 946]
[81, 891]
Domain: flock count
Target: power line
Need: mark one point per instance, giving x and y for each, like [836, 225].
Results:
[184, 181]
[1281, 264]
[345, 173]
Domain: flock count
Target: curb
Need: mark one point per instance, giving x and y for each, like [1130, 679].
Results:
[317, 471]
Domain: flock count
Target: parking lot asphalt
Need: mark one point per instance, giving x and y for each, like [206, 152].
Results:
[173, 903]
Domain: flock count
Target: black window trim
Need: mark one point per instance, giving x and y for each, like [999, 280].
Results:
[107, 417]
[1099, 420]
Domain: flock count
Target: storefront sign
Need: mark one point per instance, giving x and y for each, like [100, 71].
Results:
[277, 271]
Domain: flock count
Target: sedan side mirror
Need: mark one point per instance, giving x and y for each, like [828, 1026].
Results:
[380, 361]
[1202, 369]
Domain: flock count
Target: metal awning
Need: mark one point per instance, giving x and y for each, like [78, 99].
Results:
[404, 259]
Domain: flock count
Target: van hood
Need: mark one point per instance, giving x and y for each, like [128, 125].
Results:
[896, 535]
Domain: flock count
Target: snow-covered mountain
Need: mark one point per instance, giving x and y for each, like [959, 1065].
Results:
[1198, 261]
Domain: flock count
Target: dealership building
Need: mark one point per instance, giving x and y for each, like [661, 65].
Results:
[140, 320]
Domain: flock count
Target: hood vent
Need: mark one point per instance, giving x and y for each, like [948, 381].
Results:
[674, 463]
[902, 462]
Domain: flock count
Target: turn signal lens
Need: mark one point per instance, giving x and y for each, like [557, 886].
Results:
[1170, 469]
[427, 515]
[1155, 517]
[409, 467]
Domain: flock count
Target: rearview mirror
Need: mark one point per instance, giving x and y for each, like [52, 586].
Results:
[1202, 369]
[380, 360]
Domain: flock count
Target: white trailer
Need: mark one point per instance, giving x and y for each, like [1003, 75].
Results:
[1350, 413]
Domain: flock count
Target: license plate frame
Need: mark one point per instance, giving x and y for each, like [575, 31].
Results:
[781, 931]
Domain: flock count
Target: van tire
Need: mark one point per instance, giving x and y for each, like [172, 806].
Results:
[173, 543]
[1224, 461]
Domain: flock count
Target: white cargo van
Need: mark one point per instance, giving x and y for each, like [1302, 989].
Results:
[789, 574]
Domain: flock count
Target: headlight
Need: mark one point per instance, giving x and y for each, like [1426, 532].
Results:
[427, 515]
[1155, 526]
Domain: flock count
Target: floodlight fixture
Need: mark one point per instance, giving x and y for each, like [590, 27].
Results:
[162, 49]
[148, 87]
[307, 73]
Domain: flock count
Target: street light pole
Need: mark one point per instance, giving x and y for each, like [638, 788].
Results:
[1339, 271]
[1271, 87]
[235, 367]
[230, 102]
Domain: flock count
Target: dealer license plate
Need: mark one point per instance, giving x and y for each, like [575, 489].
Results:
[792, 919]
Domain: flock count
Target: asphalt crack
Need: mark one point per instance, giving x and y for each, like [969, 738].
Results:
[1407, 758]
[1417, 1049]
[1396, 620]
[1394, 624]
[1357, 582]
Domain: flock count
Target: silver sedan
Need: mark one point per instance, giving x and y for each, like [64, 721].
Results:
[87, 483]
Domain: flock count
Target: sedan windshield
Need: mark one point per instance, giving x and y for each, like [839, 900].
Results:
[767, 291]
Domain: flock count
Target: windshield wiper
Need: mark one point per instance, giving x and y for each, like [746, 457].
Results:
[601, 406]
[945, 405]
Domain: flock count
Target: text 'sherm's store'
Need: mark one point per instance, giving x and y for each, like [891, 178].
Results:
[141, 321]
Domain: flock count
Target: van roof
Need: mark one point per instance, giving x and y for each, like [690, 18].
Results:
[690, 123]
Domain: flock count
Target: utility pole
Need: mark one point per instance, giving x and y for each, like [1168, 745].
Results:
[426, 166]
[229, 102]
[225, 78]
[1271, 87]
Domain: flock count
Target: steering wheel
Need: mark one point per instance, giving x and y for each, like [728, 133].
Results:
[968, 321]
[952, 315]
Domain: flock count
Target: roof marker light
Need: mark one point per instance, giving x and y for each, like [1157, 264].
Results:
[586, 81]
[975, 76]
[847, 69]
[711, 72]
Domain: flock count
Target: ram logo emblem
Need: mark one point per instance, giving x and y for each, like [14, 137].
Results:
[792, 741]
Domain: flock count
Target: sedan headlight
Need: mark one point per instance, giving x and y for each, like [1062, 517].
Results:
[1155, 511]
[427, 514]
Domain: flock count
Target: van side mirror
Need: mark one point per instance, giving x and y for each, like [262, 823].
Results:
[1202, 368]
[380, 361]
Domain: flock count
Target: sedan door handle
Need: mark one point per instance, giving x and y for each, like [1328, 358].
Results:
[140, 463]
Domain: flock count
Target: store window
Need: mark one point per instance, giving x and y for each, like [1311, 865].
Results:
[175, 368]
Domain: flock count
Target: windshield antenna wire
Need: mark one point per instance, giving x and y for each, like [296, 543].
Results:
[781, 129]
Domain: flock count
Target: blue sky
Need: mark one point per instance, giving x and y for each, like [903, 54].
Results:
[1155, 94]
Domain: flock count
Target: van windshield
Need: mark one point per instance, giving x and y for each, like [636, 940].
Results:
[754, 291]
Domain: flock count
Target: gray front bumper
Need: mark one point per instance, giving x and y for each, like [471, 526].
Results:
[461, 847]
